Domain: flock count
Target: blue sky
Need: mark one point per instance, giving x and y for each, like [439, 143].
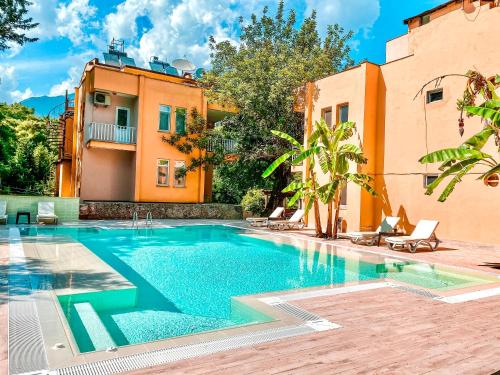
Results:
[72, 32]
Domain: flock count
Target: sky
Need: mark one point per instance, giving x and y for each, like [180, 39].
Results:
[72, 32]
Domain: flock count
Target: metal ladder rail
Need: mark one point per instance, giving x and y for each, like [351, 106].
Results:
[135, 220]
[149, 219]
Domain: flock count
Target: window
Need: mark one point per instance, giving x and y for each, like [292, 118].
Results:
[425, 19]
[343, 196]
[326, 114]
[180, 121]
[122, 116]
[162, 172]
[180, 174]
[429, 179]
[342, 113]
[434, 95]
[164, 118]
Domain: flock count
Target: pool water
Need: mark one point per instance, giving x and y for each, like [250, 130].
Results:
[186, 277]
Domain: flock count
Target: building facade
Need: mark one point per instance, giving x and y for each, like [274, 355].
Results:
[397, 125]
[115, 148]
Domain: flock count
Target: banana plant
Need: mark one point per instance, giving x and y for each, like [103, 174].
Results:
[458, 162]
[308, 188]
[335, 157]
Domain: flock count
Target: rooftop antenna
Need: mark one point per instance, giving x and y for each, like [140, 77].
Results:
[117, 46]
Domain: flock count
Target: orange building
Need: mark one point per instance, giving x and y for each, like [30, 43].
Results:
[114, 149]
[396, 126]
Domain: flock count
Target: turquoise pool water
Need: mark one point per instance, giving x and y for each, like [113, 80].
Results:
[186, 278]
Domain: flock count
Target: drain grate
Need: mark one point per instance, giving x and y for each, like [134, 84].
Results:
[419, 292]
[297, 312]
[163, 356]
[26, 347]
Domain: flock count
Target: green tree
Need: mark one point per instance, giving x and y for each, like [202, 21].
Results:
[27, 160]
[458, 162]
[13, 21]
[335, 157]
[307, 189]
[264, 78]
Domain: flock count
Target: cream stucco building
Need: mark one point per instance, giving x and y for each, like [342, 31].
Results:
[396, 128]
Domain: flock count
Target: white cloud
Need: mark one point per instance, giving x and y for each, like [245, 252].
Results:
[62, 19]
[44, 13]
[18, 95]
[355, 15]
[73, 18]
[9, 91]
[177, 30]
[68, 84]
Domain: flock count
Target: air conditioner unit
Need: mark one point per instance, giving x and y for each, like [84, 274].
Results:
[101, 98]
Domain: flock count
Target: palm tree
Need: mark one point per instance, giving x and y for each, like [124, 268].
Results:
[457, 162]
[334, 159]
[308, 188]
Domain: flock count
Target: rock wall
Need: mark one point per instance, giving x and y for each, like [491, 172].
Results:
[125, 210]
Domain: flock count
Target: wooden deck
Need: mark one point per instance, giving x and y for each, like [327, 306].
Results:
[384, 331]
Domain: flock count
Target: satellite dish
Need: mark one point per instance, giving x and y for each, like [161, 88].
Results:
[183, 64]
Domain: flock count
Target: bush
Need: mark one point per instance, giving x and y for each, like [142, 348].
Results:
[254, 201]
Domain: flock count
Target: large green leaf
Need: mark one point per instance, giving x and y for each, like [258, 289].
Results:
[305, 154]
[451, 186]
[288, 138]
[361, 180]
[451, 170]
[452, 154]
[353, 152]
[309, 204]
[342, 166]
[324, 161]
[478, 140]
[275, 164]
[327, 191]
[295, 198]
[492, 114]
[293, 186]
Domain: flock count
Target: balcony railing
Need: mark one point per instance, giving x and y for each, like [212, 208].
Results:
[229, 145]
[110, 133]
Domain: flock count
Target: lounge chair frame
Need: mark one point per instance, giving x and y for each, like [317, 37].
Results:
[292, 223]
[413, 245]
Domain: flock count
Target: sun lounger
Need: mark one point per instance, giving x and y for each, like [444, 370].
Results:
[262, 221]
[387, 227]
[423, 234]
[295, 222]
[3, 212]
[46, 213]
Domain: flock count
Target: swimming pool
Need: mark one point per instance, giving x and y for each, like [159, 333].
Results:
[186, 278]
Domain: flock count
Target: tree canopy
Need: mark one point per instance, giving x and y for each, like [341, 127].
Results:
[26, 159]
[13, 23]
[264, 76]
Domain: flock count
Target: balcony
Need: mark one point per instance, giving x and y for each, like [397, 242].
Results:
[110, 136]
[228, 145]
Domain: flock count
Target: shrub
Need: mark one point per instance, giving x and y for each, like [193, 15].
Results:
[254, 201]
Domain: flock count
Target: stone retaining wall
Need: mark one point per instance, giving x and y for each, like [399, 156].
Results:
[125, 210]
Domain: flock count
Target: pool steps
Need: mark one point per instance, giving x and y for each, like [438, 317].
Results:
[100, 337]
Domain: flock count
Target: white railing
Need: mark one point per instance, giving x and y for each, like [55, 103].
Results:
[110, 133]
[229, 145]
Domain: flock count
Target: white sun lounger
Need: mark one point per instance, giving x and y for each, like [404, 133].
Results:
[46, 213]
[262, 221]
[295, 222]
[3, 212]
[423, 234]
[387, 226]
